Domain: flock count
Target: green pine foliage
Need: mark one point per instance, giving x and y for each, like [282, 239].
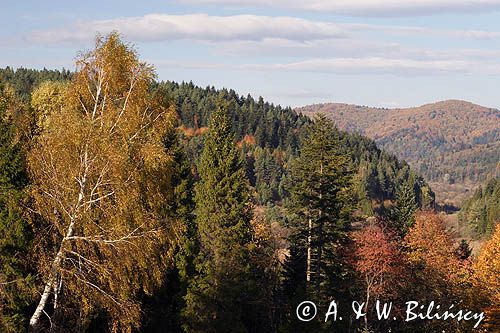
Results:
[163, 308]
[481, 212]
[268, 175]
[15, 232]
[404, 210]
[219, 297]
[24, 80]
[272, 125]
[322, 202]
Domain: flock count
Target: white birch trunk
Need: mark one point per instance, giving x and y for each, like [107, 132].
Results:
[56, 264]
[35, 318]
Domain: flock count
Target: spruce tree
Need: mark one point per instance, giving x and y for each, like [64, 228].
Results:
[219, 297]
[15, 233]
[406, 205]
[163, 308]
[321, 198]
[464, 250]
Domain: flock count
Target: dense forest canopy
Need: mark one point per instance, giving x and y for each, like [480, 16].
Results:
[128, 204]
[24, 80]
[269, 133]
[481, 212]
[453, 144]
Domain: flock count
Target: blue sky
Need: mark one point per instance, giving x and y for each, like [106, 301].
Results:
[390, 53]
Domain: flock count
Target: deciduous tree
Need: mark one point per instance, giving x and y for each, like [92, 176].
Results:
[487, 272]
[378, 261]
[101, 184]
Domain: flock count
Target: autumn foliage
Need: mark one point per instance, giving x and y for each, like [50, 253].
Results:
[378, 260]
[431, 244]
[487, 269]
[101, 182]
[124, 209]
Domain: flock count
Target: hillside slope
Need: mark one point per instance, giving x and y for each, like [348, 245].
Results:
[454, 144]
[269, 135]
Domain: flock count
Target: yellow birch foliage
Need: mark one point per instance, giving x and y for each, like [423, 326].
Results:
[101, 185]
[48, 96]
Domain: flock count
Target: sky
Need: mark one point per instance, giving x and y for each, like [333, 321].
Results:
[383, 53]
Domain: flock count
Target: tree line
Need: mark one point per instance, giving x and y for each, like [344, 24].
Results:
[128, 204]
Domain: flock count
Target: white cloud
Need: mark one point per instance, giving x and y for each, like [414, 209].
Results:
[365, 7]
[307, 45]
[162, 27]
[349, 47]
[362, 65]
[371, 65]
[423, 31]
[274, 32]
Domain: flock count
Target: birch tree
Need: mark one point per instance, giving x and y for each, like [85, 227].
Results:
[101, 179]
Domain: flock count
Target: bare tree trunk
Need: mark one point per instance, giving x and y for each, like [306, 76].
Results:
[320, 238]
[320, 255]
[57, 289]
[309, 239]
[35, 318]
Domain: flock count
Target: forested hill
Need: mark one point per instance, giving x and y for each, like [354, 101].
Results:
[270, 135]
[128, 204]
[24, 80]
[273, 133]
[454, 144]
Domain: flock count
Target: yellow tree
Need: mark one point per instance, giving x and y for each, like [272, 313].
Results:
[487, 269]
[437, 274]
[101, 188]
[431, 243]
[46, 98]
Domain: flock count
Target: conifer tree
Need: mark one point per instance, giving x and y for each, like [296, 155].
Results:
[321, 198]
[463, 250]
[218, 298]
[406, 205]
[15, 233]
[163, 308]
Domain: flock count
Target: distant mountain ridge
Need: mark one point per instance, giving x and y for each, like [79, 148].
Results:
[454, 144]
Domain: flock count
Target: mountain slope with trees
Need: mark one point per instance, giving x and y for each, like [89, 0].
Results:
[454, 144]
[131, 205]
[268, 134]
